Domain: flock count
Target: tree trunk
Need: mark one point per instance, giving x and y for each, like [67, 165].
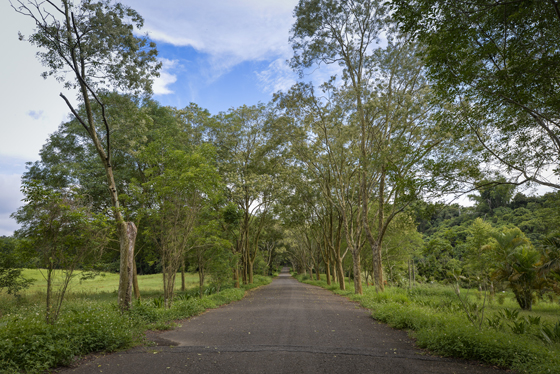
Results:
[244, 271]
[49, 296]
[127, 237]
[250, 271]
[135, 281]
[236, 275]
[328, 270]
[357, 271]
[340, 273]
[164, 277]
[200, 280]
[183, 285]
[378, 268]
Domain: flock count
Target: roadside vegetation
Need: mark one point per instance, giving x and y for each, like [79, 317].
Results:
[90, 320]
[507, 337]
[350, 178]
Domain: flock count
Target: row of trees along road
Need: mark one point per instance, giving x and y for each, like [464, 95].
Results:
[321, 171]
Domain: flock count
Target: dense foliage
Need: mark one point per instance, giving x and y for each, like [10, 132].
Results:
[435, 99]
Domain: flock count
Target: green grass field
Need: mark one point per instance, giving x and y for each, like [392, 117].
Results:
[106, 282]
[102, 288]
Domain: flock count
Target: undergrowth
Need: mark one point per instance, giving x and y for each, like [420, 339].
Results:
[28, 344]
[437, 321]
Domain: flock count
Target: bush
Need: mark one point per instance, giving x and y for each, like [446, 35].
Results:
[28, 343]
[462, 340]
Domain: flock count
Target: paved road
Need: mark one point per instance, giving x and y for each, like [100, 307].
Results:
[285, 327]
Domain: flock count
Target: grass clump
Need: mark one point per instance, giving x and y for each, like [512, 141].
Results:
[436, 319]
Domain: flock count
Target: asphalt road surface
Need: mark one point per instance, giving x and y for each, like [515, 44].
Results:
[285, 327]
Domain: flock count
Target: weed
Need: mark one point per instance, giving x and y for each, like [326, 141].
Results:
[533, 320]
[520, 327]
[158, 302]
[509, 314]
[496, 323]
[550, 334]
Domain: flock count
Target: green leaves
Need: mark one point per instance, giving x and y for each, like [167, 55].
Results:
[499, 62]
[94, 39]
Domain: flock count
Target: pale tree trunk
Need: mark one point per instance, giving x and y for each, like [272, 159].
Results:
[49, 296]
[250, 271]
[235, 271]
[126, 231]
[236, 275]
[200, 280]
[376, 243]
[357, 271]
[377, 267]
[127, 239]
[340, 273]
[135, 281]
[328, 272]
[183, 285]
[339, 258]
[245, 269]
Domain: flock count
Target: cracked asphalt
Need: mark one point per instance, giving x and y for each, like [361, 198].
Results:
[285, 327]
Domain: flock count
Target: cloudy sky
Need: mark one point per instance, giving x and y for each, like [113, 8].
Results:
[218, 54]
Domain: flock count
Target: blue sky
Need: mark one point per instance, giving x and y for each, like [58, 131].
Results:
[219, 54]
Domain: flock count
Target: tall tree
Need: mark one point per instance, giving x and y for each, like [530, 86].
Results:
[180, 185]
[396, 134]
[91, 47]
[324, 139]
[500, 61]
[253, 170]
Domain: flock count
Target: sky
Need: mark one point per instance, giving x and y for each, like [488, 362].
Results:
[219, 54]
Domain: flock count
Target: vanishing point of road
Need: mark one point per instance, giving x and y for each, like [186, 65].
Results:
[285, 327]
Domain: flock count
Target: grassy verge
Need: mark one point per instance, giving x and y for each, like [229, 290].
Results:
[92, 324]
[436, 320]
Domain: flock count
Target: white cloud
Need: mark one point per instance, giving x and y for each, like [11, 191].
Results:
[165, 78]
[10, 200]
[35, 114]
[277, 77]
[230, 32]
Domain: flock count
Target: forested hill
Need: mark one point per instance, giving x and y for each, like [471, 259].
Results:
[536, 216]
[449, 229]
